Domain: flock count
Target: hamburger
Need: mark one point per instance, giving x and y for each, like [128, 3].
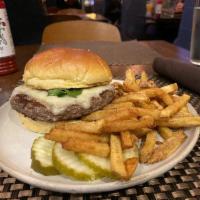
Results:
[61, 84]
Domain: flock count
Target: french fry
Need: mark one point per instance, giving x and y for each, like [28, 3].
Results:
[131, 160]
[157, 105]
[131, 165]
[110, 115]
[95, 127]
[148, 147]
[141, 132]
[144, 76]
[152, 92]
[145, 82]
[123, 105]
[159, 93]
[142, 112]
[183, 112]
[130, 84]
[179, 122]
[126, 139]
[125, 114]
[126, 125]
[169, 146]
[62, 135]
[132, 97]
[128, 87]
[166, 98]
[165, 132]
[137, 81]
[170, 89]
[145, 105]
[90, 147]
[170, 110]
[175, 97]
[131, 152]
[116, 157]
[134, 138]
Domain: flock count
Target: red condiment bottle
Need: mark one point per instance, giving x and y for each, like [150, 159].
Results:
[158, 8]
[7, 50]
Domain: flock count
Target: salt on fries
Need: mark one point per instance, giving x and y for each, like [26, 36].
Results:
[140, 112]
[148, 147]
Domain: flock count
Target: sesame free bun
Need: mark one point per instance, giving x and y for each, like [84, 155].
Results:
[66, 68]
[35, 126]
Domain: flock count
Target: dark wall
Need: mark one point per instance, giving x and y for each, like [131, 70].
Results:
[185, 30]
[27, 20]
[132, 19]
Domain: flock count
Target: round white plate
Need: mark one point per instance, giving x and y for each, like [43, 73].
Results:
[15, 151]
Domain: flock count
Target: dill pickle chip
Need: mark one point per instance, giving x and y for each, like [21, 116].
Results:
[100, 165]
[41, 155]
[69, 164]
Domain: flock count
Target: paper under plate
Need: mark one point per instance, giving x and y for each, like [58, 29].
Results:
[15, 151]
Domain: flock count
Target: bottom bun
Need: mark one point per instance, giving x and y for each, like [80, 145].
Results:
[36, 126]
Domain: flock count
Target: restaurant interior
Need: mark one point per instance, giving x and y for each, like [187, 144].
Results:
[99, 99]
[142, 20]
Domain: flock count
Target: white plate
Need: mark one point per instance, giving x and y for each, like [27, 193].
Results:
[15, 150]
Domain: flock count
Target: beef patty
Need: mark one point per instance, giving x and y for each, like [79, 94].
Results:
[36, 111]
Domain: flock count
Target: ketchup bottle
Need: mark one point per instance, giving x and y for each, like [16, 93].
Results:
[158, 8]
[7, 51]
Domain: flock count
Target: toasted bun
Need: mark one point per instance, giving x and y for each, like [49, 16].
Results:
[66, 68]
[35, 126]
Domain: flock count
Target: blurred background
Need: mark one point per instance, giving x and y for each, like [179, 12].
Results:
[135, 19]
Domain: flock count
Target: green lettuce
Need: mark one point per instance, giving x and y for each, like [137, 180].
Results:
[64, 92]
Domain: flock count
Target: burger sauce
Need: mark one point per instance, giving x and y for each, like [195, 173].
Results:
[7, 51]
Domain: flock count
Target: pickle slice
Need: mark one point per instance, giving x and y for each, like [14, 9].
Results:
[68, 163]
[100, 165]
[41, 154]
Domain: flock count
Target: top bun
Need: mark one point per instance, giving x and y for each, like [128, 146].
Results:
[66, 68]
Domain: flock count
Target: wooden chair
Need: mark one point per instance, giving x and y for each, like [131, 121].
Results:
[59, 18]
[80, 30]
[70, 11]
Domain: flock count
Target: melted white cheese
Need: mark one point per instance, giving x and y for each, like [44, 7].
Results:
[58, 104]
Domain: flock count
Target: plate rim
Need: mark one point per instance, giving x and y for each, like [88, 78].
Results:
[100, 187]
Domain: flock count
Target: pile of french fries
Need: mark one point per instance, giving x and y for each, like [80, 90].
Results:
[140, 115]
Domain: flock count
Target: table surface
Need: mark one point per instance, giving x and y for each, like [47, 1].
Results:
[24, 53]
[181, 182]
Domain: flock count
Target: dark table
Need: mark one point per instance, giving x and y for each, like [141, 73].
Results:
[181, 182]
